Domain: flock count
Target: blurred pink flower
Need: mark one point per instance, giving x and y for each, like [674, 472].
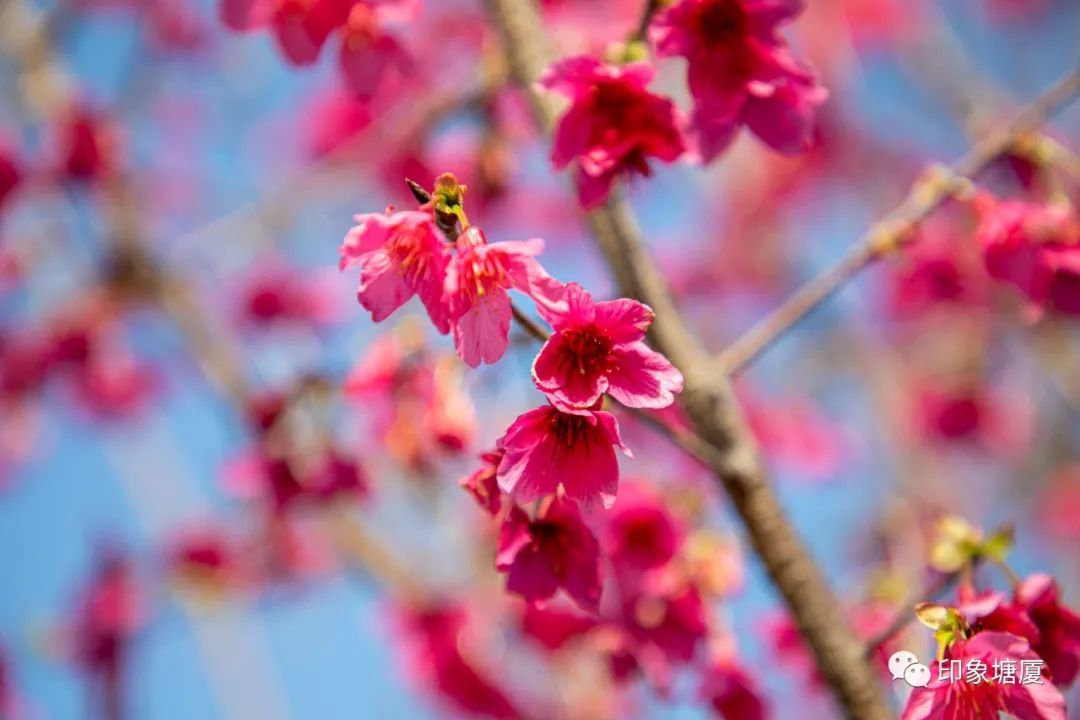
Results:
[640, 533]
[555, 550]
[614, 124]
[597, 348]
[555, 627]
[438, 657]
[11, 173]
[740, 72]
[109, 614]
[732, 692]
[1035, 248]
[546, 449]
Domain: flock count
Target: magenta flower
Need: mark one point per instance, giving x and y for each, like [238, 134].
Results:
[546, 448]
[614, 124]
[370, 55]
[1035, 248]
[1059, 627]
[441, 657]
[740, 72]
[641, 533]
[556, 550]
[948, 698]
[597, 348]
[732, 692]
[476, 283]
[400, 254]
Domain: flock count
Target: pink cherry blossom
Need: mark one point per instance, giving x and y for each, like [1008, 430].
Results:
[740, 72]
[554, 627]
[959, 699]
[369, 55]
[477, 281]
[11, 173]
[1059, 627]
[556, 550]
[547, 449]
[207, 557]
[86, 145]
[597, 348]
[614, 124]
[641, 534]
[439, 657]
[110, 612]
[668, 626]
[400, 254]
[1035, 248]
[732, 692]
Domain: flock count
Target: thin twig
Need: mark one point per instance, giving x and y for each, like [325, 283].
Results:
[887, 236]
[935, 591]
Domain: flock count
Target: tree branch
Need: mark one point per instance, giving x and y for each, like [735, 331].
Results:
[709, 403]
[887, 236]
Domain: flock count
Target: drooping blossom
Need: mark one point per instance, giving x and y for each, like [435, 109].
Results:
[400, 254]
[1035, 248]
[740, 72]
[547, 448]
[555, 550]
[482, 484]
[949, 698]
[614, 124]
[439, 657]
[477, 281]
[732, 692]
[599, 347]
[110, 612]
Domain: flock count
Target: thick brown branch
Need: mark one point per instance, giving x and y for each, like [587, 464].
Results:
[886, 236]
[708, 401]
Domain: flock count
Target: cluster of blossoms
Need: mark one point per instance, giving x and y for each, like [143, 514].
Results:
[369, 56]
[558, 460]
[993, 638]
[595, 348]
[740, 72]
